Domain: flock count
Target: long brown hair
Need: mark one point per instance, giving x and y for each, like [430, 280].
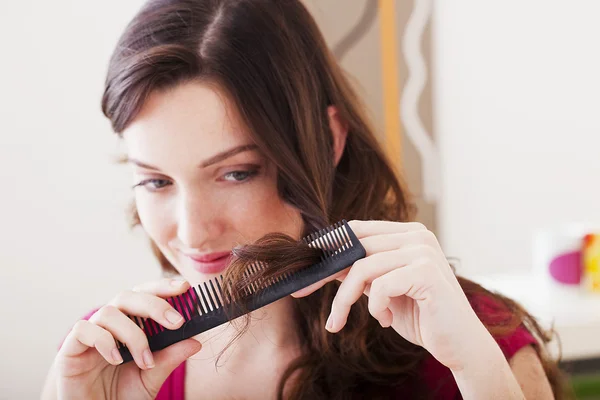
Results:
[270, 59]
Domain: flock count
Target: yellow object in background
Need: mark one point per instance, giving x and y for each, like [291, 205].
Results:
[391, 86]
[591, 262]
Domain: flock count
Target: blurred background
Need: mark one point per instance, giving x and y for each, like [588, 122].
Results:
[490, 109]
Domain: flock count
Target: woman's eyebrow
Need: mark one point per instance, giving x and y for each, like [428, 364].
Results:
[210, 161]
[227, 153]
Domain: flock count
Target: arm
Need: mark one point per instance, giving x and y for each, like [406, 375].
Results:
[489, 375]
[529, 372]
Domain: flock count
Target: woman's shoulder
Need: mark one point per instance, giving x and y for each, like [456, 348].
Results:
[509, 330]
[491, 310]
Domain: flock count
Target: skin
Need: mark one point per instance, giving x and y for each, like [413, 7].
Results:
[189, 208]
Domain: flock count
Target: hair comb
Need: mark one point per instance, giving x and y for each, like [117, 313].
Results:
[206, 305]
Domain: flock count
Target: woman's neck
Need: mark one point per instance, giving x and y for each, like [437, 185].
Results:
[272, 331]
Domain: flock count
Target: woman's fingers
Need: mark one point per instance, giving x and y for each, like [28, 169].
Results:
[365, 271]
[411, 281]
[379, 237]
[148, 306]
[113, 322]
[382, 236]
[393, 241]
[126, 331]
[166, 287]
[86, 335]
[166, 361]
[143, 302]
[140, 302]
[364, 229]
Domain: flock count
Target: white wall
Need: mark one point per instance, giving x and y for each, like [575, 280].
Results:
[64, 243]
[517, 103]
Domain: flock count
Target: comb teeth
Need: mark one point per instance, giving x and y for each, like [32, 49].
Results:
[331, 240]
[203, 306]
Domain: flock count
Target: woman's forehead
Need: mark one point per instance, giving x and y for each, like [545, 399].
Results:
[191, 117]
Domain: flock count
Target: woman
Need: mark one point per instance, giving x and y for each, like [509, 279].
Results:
[238, 122]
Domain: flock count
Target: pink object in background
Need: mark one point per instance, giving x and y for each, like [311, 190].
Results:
[558, 254]
[567, 268]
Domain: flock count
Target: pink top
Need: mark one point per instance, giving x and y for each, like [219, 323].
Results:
[436, 376]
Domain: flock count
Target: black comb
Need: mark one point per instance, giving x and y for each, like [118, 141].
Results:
[207, 305]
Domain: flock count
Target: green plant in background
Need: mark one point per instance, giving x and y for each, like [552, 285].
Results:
[586, 387]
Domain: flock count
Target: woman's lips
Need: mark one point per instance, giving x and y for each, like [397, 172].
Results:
[213, 263]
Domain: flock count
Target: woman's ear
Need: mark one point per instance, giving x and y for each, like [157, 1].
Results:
[339, 129]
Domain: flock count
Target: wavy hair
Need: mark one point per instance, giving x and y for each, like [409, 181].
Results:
[270, 59]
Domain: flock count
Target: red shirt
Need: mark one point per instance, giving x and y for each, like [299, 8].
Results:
[436, 376]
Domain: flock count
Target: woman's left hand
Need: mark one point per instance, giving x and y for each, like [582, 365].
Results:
[412, 288]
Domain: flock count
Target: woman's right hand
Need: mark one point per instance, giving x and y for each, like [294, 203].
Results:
[88, 365]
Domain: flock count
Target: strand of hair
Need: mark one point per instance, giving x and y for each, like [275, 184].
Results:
[246, 288]
[259, 283]
[254, 270]
[224, 294]
[248, 281]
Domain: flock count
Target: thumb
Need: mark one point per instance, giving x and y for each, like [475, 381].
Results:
[166, 360]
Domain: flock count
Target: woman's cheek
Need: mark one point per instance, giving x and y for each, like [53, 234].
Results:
[260, 210]
[154, 217]
[277, 216]
[245, 206]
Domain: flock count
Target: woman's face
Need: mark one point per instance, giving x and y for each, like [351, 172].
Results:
[201, 186]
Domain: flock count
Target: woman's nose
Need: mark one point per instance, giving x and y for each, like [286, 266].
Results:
[197, 222]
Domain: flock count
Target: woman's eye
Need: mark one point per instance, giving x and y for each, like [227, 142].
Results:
[154, 184]
[239, 176]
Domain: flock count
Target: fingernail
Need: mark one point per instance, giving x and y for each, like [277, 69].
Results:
[200, 348]
[148, 359]
[117, 356]
[329, 325]
[177, 282]
[173, 316]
